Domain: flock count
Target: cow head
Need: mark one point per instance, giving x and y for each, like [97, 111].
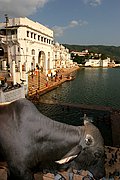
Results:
[89, 154]
[91, 157]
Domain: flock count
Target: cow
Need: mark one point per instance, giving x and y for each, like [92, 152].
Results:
[31, 142]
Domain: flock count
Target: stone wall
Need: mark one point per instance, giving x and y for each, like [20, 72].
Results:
[12, 95]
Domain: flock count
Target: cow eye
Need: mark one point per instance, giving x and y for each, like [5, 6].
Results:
[88, 141]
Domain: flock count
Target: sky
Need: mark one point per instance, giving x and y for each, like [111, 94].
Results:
[81, 22]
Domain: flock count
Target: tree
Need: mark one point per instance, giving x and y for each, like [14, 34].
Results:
[103, 56]
[79, 59]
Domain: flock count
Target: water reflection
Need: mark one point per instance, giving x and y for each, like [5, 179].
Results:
[99, 86]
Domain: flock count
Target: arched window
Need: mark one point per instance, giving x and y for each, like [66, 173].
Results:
[33, 52]
[1, 51]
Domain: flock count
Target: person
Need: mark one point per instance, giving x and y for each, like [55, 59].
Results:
[55, 78]
[5, 84]
[32, 75]
[12, 84]
[9, 74]
[61, 76]
[5, 80]
[0, 83]
[51, 76]
[47, 78]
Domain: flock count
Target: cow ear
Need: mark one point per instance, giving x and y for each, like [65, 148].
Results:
[65, 160]
[89, 140]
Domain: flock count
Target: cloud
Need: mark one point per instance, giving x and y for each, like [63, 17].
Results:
[59, 30]
[93, 2]
[73, 23]
[16, 8]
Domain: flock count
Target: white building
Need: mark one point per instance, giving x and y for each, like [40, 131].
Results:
[29, 43]
[61, 57]
[97, 62]
[82, 53]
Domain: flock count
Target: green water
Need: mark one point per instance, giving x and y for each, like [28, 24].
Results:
[97, 86]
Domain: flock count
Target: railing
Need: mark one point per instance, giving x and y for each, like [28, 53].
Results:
[10, 38]
[12, 95]
[106, 119]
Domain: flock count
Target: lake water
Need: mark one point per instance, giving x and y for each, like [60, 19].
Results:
[92, 86]
[97, 86]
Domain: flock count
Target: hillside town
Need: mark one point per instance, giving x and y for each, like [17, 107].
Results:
[94, 59]
[28, 51]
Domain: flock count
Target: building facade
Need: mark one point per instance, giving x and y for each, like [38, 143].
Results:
[61, 57]
[30, 44]
[97, 62]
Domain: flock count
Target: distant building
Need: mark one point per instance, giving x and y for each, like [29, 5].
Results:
[61, 57]
[97, 62]
[82, 53]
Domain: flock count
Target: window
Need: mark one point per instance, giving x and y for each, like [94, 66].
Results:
[42, 39]
[13, 31]
[34, 36]
[38, 37]
[48, 54]
[27, 33]
[3, 31]
[31, 34]
[1, 51]
[33, 52]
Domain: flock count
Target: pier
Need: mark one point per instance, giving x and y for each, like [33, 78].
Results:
[41, 84]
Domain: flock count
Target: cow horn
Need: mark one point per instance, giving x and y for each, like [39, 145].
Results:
[65, 160]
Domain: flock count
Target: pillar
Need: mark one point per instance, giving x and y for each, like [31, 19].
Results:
[13, 72]
[4, 65]
[26, 78]
[20, 69]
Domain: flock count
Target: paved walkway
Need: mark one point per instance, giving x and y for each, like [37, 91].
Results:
[40, 84]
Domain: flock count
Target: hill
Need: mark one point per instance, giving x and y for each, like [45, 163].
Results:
[110, 51]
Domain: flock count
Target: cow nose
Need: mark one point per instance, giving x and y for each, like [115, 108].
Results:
[99, 175]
